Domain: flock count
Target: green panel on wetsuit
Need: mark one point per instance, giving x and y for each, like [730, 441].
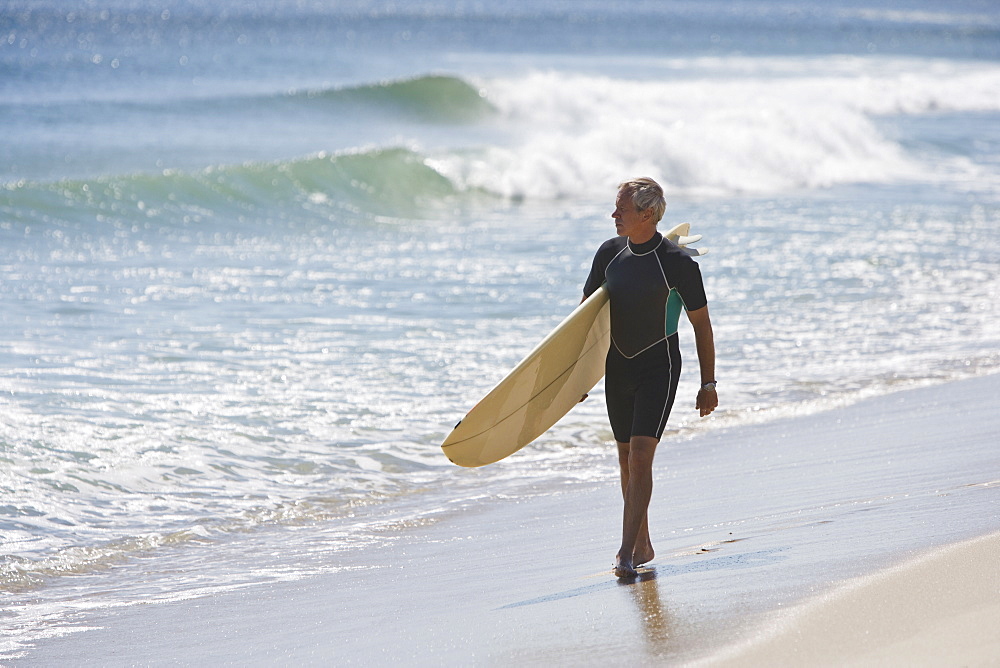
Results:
[674, 307]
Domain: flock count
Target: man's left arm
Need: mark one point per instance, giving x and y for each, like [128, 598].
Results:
[708, 399]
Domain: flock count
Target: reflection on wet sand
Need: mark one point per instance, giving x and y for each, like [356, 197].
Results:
[657, 622]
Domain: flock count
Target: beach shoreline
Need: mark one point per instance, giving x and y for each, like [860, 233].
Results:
[471, 587]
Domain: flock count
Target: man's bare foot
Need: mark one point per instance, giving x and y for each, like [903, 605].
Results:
[643, 555]
[623, 568]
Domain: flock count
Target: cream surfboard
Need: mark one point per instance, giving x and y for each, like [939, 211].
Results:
[544, 386]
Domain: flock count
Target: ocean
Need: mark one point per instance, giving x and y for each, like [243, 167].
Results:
[258, 257]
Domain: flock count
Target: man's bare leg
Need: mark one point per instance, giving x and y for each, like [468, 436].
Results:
[643, 551]
[636, 462]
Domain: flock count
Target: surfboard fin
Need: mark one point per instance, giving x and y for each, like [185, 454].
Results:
[679, 235]
[684, 241]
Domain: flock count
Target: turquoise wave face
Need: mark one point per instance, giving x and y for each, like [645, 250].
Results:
[434, 98]
[392, 182]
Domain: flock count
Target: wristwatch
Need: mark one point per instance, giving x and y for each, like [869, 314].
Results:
[709, 387]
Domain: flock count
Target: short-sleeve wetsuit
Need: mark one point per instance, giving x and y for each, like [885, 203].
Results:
[648, 285]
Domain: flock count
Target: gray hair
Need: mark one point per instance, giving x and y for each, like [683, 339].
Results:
[646, 194]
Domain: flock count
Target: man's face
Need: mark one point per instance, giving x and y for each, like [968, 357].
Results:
[628, 221]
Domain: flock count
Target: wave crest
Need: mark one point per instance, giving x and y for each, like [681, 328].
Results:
[766, 126]
[766, 131]
[436, 98]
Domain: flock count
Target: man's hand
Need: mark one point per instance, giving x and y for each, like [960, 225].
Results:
[706, 402]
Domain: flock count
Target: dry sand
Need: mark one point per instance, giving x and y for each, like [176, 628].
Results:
[939, 609]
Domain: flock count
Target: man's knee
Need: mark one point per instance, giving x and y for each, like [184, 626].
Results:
[641, 450]
[643, 443]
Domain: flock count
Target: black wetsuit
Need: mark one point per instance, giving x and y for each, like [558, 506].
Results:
[648, 284]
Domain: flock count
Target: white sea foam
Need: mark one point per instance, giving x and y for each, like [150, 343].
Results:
[776, 126]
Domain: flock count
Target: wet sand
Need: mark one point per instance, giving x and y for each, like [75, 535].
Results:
[528, 581]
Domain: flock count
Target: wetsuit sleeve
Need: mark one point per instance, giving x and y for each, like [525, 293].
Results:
[689, 285]
[598, 271]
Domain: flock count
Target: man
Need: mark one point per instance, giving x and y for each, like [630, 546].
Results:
[649, 280]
